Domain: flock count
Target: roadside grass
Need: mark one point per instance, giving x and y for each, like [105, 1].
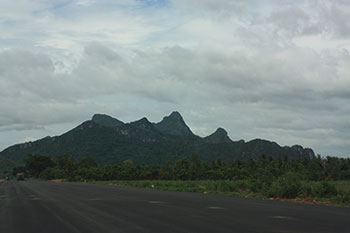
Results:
[320, 192]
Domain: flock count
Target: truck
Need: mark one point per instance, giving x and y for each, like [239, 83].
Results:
[20, 176]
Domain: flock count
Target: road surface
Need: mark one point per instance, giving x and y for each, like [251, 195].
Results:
[44, 207]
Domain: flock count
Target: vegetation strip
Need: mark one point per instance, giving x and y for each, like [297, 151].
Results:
[329, 193]
[317, 180]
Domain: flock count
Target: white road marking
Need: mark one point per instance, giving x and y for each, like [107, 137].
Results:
[155, 202]
[282, 217]
[215, 208]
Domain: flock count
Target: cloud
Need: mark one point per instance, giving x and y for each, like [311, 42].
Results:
[294, 89]
[221, 7]
[267, 69]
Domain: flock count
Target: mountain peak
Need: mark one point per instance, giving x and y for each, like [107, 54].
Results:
[143, 120]
[219, 136]
[221, 131]
[142, 123]
[174, 125]
[106, 120]
[175, 115]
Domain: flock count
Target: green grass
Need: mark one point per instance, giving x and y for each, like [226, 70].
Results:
[313, 192]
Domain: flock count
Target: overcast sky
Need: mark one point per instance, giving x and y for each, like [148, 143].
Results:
[272, 69]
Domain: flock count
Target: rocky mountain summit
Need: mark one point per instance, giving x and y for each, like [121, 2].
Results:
[174, 125]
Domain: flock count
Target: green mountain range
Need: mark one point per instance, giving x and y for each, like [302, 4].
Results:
[110, 140]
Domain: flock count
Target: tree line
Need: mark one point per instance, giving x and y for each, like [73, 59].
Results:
[264, 169]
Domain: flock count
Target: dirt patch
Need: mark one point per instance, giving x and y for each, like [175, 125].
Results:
[56, 181]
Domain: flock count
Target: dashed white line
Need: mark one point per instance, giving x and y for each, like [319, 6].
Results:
[215, 208]
[155, 202]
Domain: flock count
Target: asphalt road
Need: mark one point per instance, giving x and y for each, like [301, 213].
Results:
[44, 207]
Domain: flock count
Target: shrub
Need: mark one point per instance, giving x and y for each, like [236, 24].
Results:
[306, 189]
[253, 185]
[344, 197]
[52, 173]
[225, 186]
[287, 186]
[325, 189]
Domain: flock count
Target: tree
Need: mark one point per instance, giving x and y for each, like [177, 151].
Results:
[67, 163]
[196, 166]
[315, 169]
[195, 161]
[128, 164]
[87, 162]
[128, 169]
[288, 185]
[35, 164]
[182, 169]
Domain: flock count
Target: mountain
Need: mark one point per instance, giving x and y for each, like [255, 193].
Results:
[174, 125]
[219, 136]
[106, 120]
[143, 123]
[109, 140]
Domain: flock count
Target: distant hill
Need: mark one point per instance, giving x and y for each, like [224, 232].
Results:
[109, 140]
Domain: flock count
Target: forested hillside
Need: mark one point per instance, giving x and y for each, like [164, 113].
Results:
[109, 140]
